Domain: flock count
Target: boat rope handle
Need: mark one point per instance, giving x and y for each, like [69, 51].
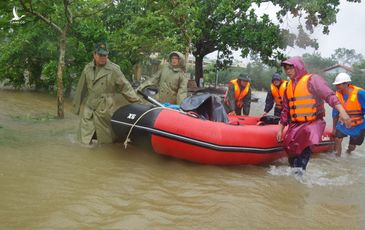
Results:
[134, 124]
[127, 140]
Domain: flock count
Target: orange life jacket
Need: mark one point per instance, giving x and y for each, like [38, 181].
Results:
[238, 94]
[352, 105]
[302, 104]
[278, 93]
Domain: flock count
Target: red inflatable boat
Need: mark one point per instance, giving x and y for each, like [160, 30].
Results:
[243, 141]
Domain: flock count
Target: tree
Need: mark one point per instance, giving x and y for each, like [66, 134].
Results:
[315, 62]
[60, 18]
[200, 27]
[358, 74]
[260, 75]
[61, 28]
[32, 47]
[227, 25]
[20, 54]
[138, 29]
[20, 43]
[346, 56]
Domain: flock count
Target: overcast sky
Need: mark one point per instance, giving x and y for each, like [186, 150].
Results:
[348, 32]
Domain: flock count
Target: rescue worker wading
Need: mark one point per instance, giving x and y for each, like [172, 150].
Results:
[303, 111]
[275, 95]
[237, 100]
[171, 80]
[352, 99]
[94, 99]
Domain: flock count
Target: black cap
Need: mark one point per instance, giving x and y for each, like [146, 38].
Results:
[101, 48]
[243, 77]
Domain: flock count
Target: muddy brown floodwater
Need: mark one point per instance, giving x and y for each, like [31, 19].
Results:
[49, 181]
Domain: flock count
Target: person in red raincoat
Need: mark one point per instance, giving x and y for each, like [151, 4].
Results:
[303, 112]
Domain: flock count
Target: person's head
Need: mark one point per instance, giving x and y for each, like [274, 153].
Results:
[243, 79]
[174, 60]
[101, 54]
[276, 79]
[342, 81]
[289, 70]
[294, 68]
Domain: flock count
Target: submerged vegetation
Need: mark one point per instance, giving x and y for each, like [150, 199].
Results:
[42, 117]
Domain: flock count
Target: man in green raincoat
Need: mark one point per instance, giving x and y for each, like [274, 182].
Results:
[95, 99]
[171, 80]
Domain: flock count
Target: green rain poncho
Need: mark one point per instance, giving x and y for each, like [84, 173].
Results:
[95, 100]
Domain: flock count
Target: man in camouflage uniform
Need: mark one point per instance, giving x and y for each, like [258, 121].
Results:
[95, 99]
[171, 80]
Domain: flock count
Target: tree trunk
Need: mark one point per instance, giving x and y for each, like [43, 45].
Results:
[187, 52]
[198, 69]
[137, 71]
[155, 66]
[60, 69]
[35, 70]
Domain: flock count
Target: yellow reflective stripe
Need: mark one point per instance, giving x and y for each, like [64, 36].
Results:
[301, 102]
[302, 97]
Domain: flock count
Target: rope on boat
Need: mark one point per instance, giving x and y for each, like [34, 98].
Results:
[127, 140]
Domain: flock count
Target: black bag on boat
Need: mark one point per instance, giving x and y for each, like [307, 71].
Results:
[270, 119]
[207, 106]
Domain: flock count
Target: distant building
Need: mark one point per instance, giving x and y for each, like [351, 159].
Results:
[206, 60]
[335, 69]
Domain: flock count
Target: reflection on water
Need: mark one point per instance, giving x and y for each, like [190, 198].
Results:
[48, 180]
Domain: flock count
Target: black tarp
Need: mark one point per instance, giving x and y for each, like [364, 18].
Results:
[207, 106]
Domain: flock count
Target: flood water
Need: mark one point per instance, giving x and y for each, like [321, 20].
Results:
[50, 181]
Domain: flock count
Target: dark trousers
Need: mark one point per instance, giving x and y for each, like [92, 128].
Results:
[302, 160]
[238, 111]
[277, 112]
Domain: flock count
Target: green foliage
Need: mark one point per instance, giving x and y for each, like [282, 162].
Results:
[138, 29]
[347, 56]
[135, 29]
[315, 63]
[259, 74]
[230, 25]
[358, 74]
[26, 50]
[32, 47]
